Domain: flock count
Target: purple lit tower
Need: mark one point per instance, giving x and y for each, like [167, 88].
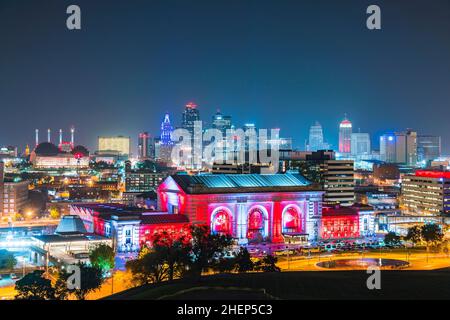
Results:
[166, 131]
[166, 144]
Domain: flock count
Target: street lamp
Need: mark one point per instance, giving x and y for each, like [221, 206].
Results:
[29, 214]
[23, 266]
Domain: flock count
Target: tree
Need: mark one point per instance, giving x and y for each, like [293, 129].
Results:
[392, 239]
[207, 249]
[91, 279]
[10, 262]
[54, 213]
[244, 262]
[168, 258]
[414, 235]
[103, 257]
[174, 249]
[148, 268]
[61, 290]
[268, 264]
[431, 234]
[7, 260]
[34, 287]
[226, 265]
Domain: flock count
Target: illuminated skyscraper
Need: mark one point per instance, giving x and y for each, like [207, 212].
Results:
[221, 122]
[143, 145]
[190, 115]
[192, 123]
[428, 148]
[165, 144]
[166, 131]
[315, 141]
[345, 136]
[399, 147]
[360, 145]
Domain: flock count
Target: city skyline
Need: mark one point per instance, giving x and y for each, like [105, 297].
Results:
[120, 78]
[230, 150]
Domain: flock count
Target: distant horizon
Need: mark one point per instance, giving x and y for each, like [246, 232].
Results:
[134, 138]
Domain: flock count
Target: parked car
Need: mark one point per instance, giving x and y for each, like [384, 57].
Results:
[13, 276]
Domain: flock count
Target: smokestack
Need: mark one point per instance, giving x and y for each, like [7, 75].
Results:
[60, 137]
[37, 137]
[48, 135]
[72, 136]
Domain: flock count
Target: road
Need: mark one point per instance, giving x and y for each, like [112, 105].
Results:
[7, 291]
[30, 223]
[417, 260]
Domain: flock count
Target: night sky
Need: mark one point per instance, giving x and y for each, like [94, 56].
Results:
[275, 63]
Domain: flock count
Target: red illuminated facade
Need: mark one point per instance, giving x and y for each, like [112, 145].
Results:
[251, 212]
[131, 227]
[345, 136]
[340, 223]
[250, 208]
[433, 174]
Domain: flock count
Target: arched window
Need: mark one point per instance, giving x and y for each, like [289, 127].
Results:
[292, 220]
[257, 224]
[221, 222]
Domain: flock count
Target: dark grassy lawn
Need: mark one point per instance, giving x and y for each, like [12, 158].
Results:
[301, 285]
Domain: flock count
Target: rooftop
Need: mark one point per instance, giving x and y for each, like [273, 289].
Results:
[433, 174]
[122, 212]
[55, 238]
[345, 210]
[233, 183]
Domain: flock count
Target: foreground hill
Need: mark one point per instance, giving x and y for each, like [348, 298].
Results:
[299, 285]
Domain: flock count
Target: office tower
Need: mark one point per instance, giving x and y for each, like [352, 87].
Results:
[15, 196]
[143, 145]
[399, 147]
[428, 148]
[221, 122]
[338, 182]
[345, 136]
[285, 144]
[166, 130]
[191, 122]
[360, 144]
[164, 145]
[315, 140]
[142, 179]
[190, 115]
[335, 176]
[427, 192]
[151, 147]
[114, 144]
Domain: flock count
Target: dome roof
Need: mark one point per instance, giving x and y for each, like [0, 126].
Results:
[46, 149]
[82, 150]
[70, 224]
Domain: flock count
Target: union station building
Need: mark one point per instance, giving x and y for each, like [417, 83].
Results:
[251, 208]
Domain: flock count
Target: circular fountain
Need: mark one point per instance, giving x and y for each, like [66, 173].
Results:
[363, 263]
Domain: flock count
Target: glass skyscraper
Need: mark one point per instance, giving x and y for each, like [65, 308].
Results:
[315, 140]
